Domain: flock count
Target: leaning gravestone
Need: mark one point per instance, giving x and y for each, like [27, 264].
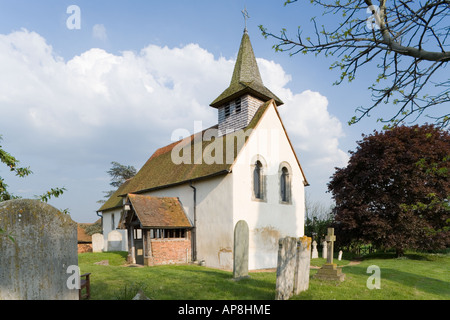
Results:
[287, 248]
[240, 252]
[114, 241]
[34, 264]
[98, 242]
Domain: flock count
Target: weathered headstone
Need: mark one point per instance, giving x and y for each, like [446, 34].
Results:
[340, 255]
[98, 242]
[35, 265]
[287, 252]
[114, 241]
[240, 252]
[303, 261]
[329, 270]
[324, 250]
[314, 253]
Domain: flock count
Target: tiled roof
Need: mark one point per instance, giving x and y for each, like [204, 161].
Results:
[159, 212]
[246, 78]
[160, 171]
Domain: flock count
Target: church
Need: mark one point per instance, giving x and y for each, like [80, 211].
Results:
[184, 203]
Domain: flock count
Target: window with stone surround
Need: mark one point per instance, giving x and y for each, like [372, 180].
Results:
[285, 183]
[258, 181]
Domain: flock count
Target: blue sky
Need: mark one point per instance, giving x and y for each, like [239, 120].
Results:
[73, 100]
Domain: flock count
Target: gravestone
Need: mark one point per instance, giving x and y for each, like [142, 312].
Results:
[340, 255]
[98, 242]
[324, 250]
[35, 265]
[301, 277]
[314, 253]
[240, 252]
[287, 253]
[329, 270]
[114, 241]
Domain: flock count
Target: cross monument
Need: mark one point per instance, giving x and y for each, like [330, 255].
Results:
[246, 16]
[330, 239]
[329, 270]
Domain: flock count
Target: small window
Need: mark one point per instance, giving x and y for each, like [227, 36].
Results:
[227, 111]
[168, 233]
[285, 186]
[238, 105]
[258, 181]
[113, 223]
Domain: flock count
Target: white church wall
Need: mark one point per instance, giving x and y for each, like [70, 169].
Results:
[214, 217]
[268, 219]
[111, 219]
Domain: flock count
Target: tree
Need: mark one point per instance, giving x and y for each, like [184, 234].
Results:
[394, 192]
[119, 174]
[13, 164]
[409, 39]
[318, 218]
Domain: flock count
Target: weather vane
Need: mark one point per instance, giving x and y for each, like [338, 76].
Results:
[246, 16]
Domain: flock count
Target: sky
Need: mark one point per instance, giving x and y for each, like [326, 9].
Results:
[85, 83]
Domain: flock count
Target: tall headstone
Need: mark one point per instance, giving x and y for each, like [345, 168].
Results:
[114, 241]
[240, 252]
[301, 278]
[329, 270]
[340, 255]
[98, 242]
[314, 254]
[324, 250]
[287, 252]
[39, 261]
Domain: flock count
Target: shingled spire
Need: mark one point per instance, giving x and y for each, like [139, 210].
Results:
[246, 78]
[241, 100]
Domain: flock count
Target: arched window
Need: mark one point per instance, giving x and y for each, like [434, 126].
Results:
[284, 184]
[258, 180]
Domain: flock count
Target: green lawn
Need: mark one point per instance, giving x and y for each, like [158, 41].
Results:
[416, 276]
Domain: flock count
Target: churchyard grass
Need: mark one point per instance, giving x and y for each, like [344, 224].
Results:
[415, 276]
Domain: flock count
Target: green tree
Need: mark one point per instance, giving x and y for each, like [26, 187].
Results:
[119, 174]
[13, 164]
[406, 40]
[394, 192]
[318, 218]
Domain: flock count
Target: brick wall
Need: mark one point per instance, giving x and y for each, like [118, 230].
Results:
[169, 251]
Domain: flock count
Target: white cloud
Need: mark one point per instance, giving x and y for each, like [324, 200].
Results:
[99, 107]
[99, 32]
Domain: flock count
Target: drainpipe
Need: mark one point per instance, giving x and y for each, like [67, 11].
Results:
[194, 230]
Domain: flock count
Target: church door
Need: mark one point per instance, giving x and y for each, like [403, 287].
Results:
[139, 246]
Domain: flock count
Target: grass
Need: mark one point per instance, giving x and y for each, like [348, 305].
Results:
[413, 277]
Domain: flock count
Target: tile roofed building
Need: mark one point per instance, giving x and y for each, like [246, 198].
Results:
[189, 195]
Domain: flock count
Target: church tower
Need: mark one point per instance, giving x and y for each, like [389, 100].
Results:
[239, 102]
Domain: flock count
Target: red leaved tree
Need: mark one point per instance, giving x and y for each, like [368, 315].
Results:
[394, 192]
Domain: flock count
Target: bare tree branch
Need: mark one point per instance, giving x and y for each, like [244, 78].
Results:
[410, 39]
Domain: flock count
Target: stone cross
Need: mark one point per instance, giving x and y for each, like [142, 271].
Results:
[330, 238]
